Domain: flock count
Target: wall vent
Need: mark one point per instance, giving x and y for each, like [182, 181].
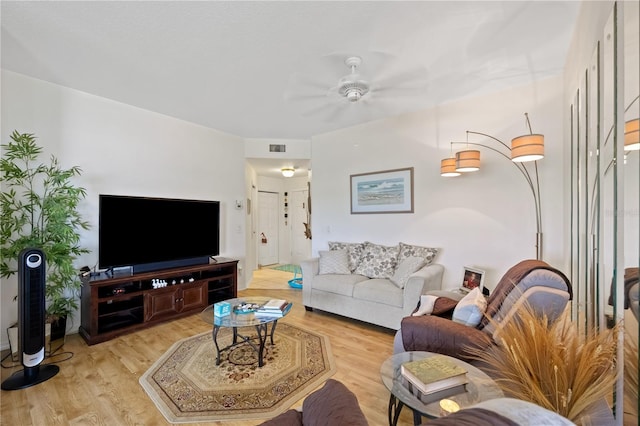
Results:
[277, 148]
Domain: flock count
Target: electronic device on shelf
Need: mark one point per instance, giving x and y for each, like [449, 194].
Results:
[150, 234]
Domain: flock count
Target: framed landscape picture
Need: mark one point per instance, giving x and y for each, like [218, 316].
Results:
[388, 191]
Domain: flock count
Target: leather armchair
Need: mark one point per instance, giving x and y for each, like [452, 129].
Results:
[533, 282]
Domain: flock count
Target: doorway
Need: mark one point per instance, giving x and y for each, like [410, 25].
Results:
[300, 218]
[267, 238]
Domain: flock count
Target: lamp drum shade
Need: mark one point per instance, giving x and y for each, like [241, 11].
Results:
[527, 148]
[468, 161]
[632, 135]
[448, 167]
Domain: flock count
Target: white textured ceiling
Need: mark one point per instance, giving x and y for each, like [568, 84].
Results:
[243, 67]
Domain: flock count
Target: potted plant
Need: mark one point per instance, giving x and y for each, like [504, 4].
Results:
[39, 208]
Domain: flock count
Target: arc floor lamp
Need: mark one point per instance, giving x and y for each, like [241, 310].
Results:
[524, 149]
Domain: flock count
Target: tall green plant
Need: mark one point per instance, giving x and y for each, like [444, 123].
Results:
[39, 208]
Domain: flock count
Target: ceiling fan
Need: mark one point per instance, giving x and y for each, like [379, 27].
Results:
[359, 86]
[352, 86]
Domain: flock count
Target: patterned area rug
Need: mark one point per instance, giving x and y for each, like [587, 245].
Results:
[187, 386]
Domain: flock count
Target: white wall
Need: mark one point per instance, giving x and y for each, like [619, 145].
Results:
[485, 219]
[125, 150]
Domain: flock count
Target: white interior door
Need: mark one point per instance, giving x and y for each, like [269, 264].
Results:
[300, 244]
[267, 235]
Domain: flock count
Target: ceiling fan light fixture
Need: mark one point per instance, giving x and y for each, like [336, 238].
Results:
[353, 90]
[288, 171]
[351, 86]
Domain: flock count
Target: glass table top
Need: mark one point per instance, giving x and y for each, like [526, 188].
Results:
[239, 318]
[480, 387]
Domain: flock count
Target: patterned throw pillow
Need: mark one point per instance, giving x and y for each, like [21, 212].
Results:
[354, 251]
[333, 262]
[408, 250]
[378, 261]
[405, 269]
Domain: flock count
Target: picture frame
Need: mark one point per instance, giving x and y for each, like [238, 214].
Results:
[387, 191]
[472, 278]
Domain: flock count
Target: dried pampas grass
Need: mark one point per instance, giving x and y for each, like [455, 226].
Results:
[552, 364]
[631, 377]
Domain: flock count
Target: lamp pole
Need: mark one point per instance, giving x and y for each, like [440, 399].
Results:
[532, 182]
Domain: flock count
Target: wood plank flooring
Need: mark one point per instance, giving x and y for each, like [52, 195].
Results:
[98, 385]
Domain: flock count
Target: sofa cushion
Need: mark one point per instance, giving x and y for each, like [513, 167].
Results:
[338, 284]
[379, 291]
[333, 404]
[404, 270]
[354, 251]
[470, 309]
[378, 261]
[408, 250]
[333, 262]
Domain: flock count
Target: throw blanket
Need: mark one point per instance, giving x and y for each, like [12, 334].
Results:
[510, 280]
[442, 307]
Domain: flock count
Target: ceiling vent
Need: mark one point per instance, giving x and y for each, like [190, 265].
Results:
[277, 148]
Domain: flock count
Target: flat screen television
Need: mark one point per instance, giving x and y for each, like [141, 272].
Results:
[149, 234]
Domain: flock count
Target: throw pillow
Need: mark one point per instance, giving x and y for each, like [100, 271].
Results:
[353, 249]
[427, 303]
[408, 250]
[404, 270]
[378, 261]
[470, 309]
[333, 262]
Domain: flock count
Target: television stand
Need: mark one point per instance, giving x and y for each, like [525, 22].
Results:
[113, 305]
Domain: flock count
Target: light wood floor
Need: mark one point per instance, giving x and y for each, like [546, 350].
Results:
[99, 385]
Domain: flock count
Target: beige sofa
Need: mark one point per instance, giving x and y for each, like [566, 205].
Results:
[370, 282]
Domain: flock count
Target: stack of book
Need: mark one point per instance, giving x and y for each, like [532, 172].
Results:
[434, 378]
[274, 308]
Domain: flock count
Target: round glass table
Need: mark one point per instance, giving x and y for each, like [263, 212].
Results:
[480, 388]
[242, 315]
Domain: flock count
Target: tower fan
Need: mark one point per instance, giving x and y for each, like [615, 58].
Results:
[31, 318]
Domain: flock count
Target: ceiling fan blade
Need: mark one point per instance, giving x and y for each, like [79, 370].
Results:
[302, 80]
[316, 110]
[338, 111]
[304, 98]
[412, 79]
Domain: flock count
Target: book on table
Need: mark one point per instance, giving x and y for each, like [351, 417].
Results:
[278, 312]
[274, 305]
[428, 398]
[434, 373]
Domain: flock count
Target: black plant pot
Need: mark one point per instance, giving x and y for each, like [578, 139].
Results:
[58, 334]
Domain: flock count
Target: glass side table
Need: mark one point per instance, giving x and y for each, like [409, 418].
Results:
[480, 388]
